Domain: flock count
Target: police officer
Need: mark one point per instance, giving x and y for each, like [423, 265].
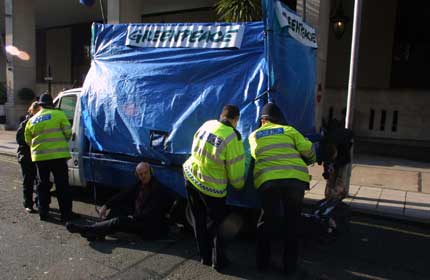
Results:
[281, 176]
[28, 168]
[47, 133]
[217, 160]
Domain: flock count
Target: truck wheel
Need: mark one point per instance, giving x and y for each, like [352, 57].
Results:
[189, 217]
[180, 214]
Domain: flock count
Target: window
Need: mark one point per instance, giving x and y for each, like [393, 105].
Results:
[411, 49]
[371, 119]
[383, 118]
[71, 62]
[81, 60]
[67, 105]
[395, 121]
[41, 68]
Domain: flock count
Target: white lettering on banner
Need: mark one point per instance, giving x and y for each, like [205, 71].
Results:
[185, 36]
[298, 29]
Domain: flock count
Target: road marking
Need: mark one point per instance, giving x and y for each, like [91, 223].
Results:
[366, 276]
[392, 229]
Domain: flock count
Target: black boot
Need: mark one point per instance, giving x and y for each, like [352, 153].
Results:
[221, 263]
[92, 236]
[67, 218]
[74, 228]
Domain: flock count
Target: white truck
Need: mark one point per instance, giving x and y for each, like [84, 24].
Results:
[151, 86]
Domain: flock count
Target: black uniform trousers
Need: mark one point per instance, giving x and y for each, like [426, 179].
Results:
[29, 173]
[121, 220]
[59, 170]
[282, 206]
[209, 239]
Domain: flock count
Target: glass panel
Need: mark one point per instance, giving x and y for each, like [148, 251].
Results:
[68, 104]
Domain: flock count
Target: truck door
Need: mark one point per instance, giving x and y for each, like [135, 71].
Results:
[67, 104]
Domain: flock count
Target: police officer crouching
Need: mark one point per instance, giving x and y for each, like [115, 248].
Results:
[47, 133]
[281, 176]
[217, 159]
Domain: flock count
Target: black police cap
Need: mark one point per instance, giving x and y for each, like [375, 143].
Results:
[45, 100]
[272, 112]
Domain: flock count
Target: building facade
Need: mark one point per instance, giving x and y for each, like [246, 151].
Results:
[392, 88]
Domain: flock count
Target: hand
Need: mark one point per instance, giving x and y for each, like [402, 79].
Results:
[326, 175]
[103, 212]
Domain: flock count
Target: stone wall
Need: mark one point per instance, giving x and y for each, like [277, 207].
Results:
[411, 106]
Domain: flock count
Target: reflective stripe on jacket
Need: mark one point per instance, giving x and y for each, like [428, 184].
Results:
[217, 159]
[47, 133]
[280, 152]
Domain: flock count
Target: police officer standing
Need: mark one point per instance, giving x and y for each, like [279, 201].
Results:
[47, 133]
[281, 176]
[28, 168]
[217, 160]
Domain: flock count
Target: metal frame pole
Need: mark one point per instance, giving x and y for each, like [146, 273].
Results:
[269, 34]
[103, 11]
[304, 10]
[49, 80]
[349, 118]
[353, 64]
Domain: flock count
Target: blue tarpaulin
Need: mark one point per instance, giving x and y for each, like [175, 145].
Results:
[147, 102]
[292, 67]
[132, 94]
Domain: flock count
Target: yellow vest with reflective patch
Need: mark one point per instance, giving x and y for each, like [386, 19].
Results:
[279, 152]
[47, 133]
[217, 159]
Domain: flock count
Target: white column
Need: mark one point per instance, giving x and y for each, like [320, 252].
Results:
[20, 28]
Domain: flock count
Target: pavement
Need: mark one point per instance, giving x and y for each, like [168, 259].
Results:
[7, 142]
[381, 186]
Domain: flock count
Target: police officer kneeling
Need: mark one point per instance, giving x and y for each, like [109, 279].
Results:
[47, 133]
[280, 174]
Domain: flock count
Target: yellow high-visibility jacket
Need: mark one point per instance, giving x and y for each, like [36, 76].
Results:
[280, 152]
[47, 133]
[217, 159]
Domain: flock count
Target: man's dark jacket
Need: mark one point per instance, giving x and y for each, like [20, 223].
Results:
[23, 151]
[156, 202]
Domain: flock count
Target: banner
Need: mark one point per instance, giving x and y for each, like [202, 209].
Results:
[185, 36]
[298, 29]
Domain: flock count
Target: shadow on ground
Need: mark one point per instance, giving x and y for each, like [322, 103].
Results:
[373, 249]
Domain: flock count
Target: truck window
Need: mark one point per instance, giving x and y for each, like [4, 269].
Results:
[67, 105]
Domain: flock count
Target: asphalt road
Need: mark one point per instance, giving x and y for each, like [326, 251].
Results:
[30, 249]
